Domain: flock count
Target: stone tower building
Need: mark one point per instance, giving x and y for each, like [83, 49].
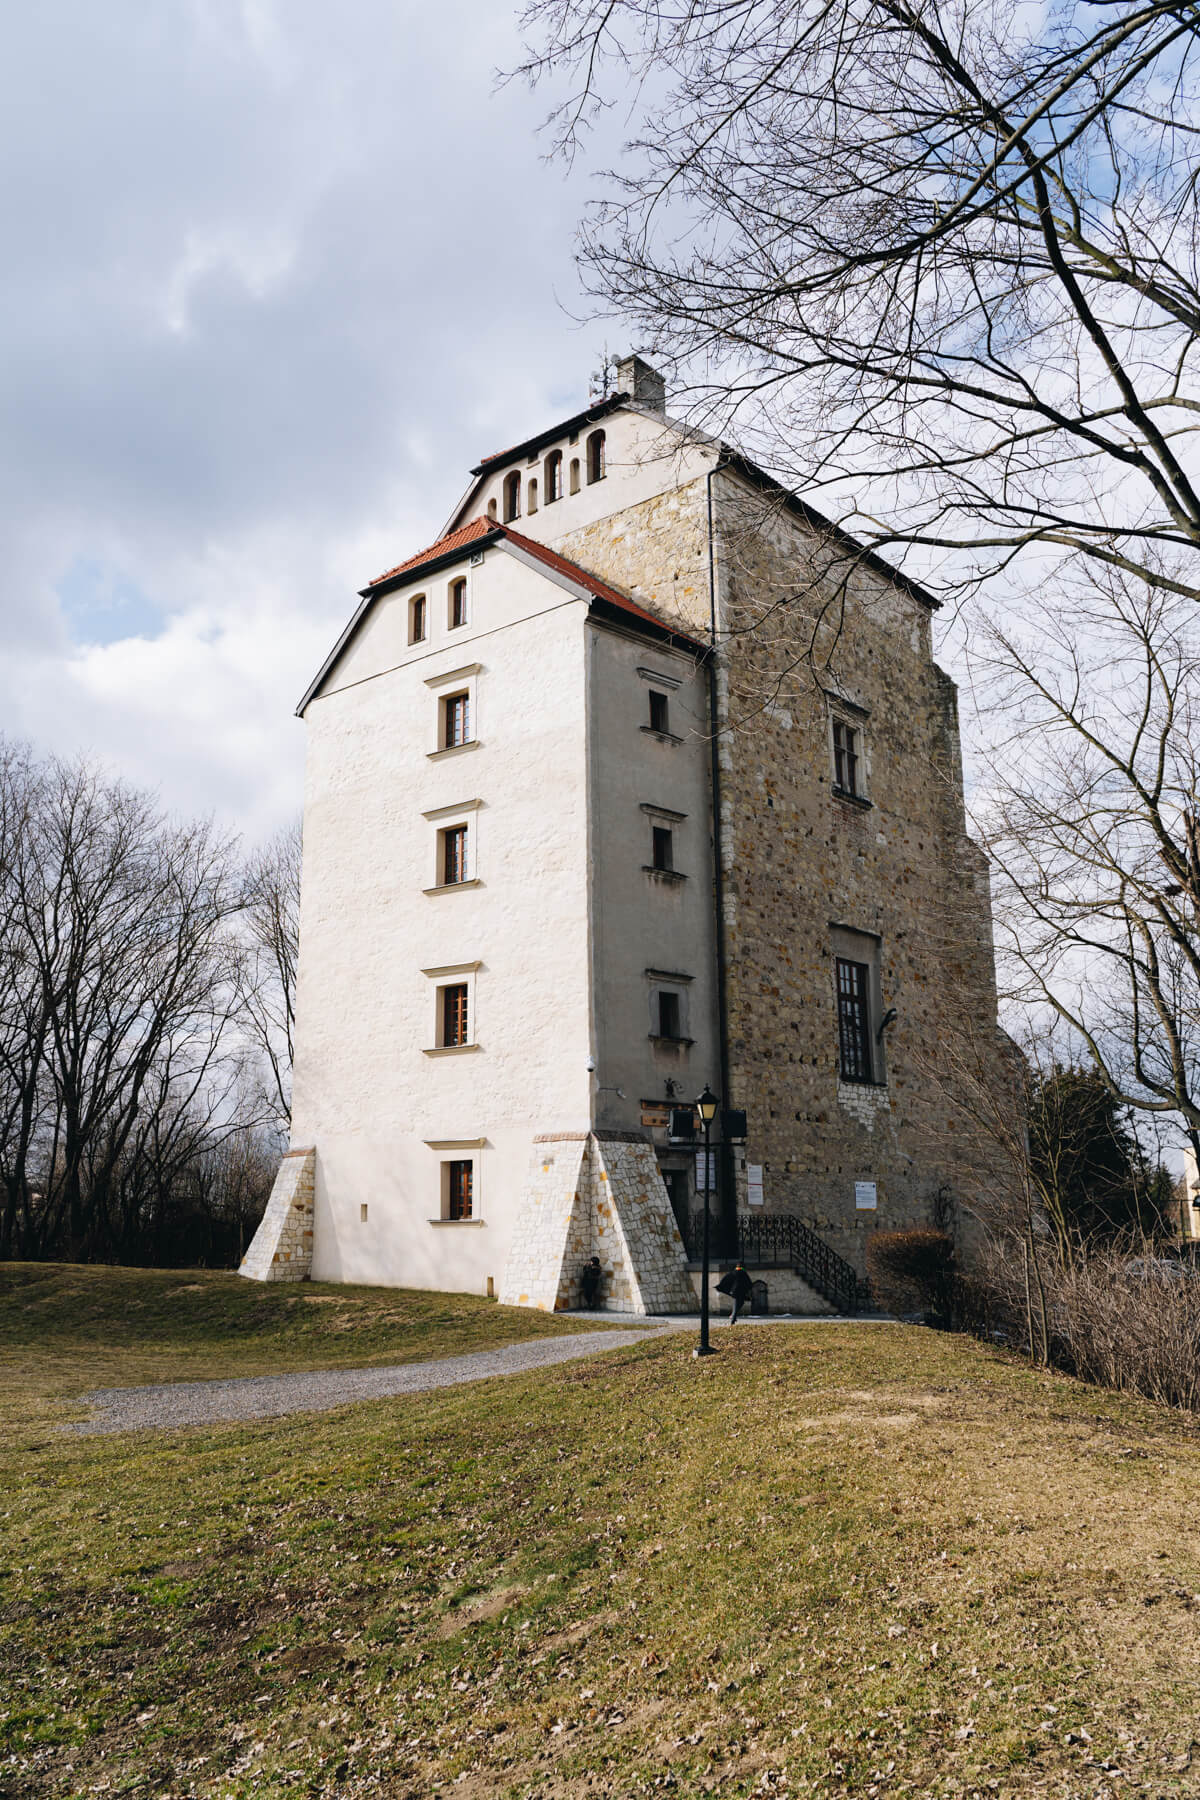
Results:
[641, 777]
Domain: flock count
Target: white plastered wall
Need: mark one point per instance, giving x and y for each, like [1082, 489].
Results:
[643, 921]
[643, 457]
[366, 1094]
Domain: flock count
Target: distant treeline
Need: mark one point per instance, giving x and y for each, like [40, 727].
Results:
[146, 986]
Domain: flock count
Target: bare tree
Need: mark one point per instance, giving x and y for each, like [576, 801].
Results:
[936, 257]
[272, 923]
[118, 981]
[1091, 823]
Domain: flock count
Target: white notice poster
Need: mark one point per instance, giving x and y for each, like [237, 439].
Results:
[864, 1196]
[754, 1191]
[711, 1183]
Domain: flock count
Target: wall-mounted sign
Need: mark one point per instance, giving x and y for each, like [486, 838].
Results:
[865, 1196]
[754, 1188]
[701, 1183]
[654, 1116]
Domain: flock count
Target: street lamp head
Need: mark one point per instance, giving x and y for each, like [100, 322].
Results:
[707, 1105]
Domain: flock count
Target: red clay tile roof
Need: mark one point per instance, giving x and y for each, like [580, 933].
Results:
[466, 534]
[479, 529]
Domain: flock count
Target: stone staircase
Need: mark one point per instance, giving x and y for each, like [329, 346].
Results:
[780, 1240]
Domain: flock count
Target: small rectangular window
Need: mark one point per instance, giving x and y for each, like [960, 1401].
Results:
[454, 855]
[664, 855]
[854, 1022]
[456, 710]
[458, 604]
[845, 757]
[416, 619]
[659, 712]
[454, 1015]
[459, 1185]
[668, 1015]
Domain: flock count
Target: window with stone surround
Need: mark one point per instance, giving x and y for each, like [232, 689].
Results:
[848, 748]
[454, 1017]
[660, 712]
[662, 847]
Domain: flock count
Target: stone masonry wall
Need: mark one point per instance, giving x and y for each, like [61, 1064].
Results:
[801, 646]
[802, 632]
[597, 1196]
[281, 1249]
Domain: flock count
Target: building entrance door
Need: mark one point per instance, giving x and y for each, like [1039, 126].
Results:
[679, 1188]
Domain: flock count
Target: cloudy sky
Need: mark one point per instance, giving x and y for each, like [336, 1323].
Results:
[276, 275]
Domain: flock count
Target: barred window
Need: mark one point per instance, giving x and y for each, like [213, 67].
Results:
[854, 1023]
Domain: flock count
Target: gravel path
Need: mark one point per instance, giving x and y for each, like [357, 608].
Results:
[318, 1390]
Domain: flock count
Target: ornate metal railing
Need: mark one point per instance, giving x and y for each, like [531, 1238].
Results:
[782, 1238]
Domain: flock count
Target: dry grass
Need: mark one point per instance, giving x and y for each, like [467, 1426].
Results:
[830, 1561]
[68, 1326]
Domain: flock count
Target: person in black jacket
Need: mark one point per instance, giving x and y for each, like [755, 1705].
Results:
[738, 1285]
[589, 1284]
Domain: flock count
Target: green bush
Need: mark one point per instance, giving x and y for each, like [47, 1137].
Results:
[913, 1271]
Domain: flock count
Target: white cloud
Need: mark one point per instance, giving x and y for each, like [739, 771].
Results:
[276, 276]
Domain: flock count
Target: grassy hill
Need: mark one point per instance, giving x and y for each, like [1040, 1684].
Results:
[829, 1561]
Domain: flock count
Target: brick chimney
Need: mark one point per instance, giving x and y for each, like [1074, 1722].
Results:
[642, 383]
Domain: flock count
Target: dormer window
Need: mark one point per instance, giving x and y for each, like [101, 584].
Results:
[552, 476]
[512, 496]
[595, 457]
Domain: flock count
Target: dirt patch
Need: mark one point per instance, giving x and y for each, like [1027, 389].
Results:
[478, 1608]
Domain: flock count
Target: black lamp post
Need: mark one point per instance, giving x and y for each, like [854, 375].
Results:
[706, 1106]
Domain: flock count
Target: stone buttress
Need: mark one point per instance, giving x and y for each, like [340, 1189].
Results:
[597, 1194]
[281, 1249]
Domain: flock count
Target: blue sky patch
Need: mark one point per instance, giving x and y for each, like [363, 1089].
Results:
[101, 605]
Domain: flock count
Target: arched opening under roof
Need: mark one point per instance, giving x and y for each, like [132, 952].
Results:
[512, 496]
[595, 457]
[552, 474]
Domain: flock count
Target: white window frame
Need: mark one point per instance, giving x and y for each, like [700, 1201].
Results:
[441, 687]
[450, 818]
[452, 975]
[446, 1151]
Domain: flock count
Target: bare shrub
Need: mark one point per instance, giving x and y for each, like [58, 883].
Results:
[1122, 1321]
[912, 1271]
